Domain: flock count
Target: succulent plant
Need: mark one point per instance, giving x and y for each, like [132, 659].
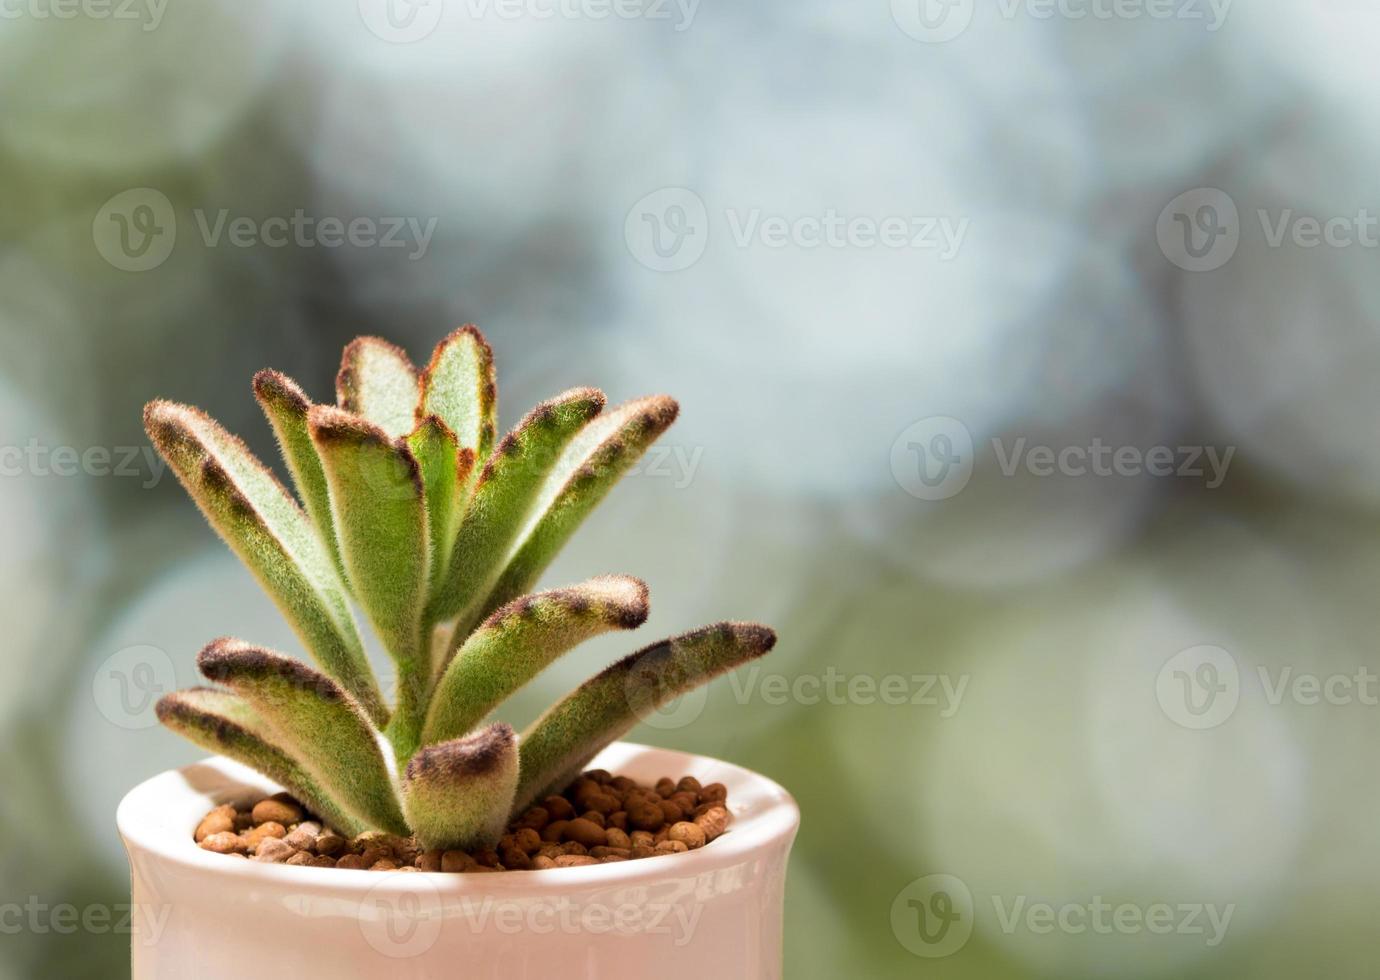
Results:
[407, 508]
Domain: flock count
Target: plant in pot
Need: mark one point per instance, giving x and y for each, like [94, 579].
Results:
[337, 834]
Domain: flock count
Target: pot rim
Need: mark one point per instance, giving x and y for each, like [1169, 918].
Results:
[158, 816]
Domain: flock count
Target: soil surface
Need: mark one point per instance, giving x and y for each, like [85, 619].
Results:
[599, 819]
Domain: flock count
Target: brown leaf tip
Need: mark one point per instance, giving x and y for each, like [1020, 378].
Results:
[227, 659]
[330, 424]
[179, 708]
[480, 754]
[275, 388]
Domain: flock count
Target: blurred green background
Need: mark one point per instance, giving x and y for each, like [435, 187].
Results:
[907, 266]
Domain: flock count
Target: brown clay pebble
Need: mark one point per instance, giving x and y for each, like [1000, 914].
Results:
[429, 861]
[559, 807]
[456, 861]
[689, 834]
[645, 816]
[221, 820]
[272, 850]
[714, 822]
[598, 819]
[575, 861]
[224, 843]
[276, 811]
[585, 832]
[603, 852]
[303, 837]
[253, 836]
[373, 854]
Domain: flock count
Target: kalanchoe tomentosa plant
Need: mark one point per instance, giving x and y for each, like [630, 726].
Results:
[409, 510]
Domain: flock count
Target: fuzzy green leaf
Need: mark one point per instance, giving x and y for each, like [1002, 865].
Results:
[458, 387]
[380, 518]
[286, 405]
[224, 723]
[263, 525]
[316, 722]
[507, 488]
[520, 640]
[378, 383]
[446, 472]
[458, 794]
[588, 469]
[604, 708]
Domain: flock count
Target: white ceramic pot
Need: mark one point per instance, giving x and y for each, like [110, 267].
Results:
[715, 912]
